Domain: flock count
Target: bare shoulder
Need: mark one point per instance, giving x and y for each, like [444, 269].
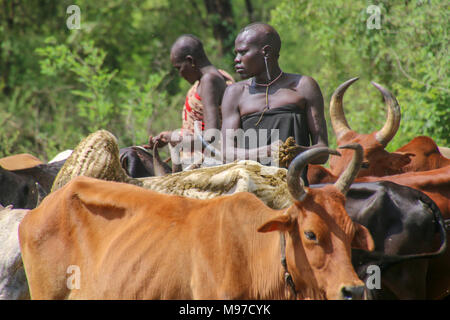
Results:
[236, 90]
[308, 85]
[212, 77]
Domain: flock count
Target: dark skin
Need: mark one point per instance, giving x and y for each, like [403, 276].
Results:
[211, 89]
[244, 97]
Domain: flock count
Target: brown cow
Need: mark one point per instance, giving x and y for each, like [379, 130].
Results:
[131, 243]
[428, 158]
[420, 154]
[435, 184]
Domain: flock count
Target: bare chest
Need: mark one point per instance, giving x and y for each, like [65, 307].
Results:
[256, 99]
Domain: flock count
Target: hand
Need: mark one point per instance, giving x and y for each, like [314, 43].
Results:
[160, 140]
[288, 151]
[150, 143]
[165, 137]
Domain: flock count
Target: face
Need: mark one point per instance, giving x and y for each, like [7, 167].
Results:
[327, 235]
[184, 68]
[377, 161]
[318, 250]
[249, 60]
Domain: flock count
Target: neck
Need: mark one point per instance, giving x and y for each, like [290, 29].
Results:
[274, 72]
[267, 275]
[205, 67]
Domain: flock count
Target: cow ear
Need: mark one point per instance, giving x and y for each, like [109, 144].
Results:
[401, 160]
[281, 223]
[362, 238]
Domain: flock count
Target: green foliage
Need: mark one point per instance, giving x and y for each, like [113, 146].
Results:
[95, 105]
[408, 55]
[58, 85]
[139, 103]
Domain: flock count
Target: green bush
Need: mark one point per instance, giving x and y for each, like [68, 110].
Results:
[408, 55]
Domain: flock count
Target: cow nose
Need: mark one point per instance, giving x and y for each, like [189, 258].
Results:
[352, 292]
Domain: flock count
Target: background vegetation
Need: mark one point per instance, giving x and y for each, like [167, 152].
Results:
[58, 85]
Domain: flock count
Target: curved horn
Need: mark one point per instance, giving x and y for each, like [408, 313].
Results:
[348, 176]
[338, 121]
[41, 193]
[393, 117]
[294, 182]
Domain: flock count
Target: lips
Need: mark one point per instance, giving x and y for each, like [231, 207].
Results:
[239, 69]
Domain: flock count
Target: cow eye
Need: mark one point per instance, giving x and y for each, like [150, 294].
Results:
[365, 165]
[310, 235]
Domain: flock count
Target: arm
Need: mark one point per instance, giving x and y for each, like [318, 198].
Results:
[315, 115]
[211, 89]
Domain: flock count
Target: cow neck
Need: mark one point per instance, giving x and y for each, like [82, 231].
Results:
[287, 276]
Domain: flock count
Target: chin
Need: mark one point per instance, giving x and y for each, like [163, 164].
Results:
[244, 76]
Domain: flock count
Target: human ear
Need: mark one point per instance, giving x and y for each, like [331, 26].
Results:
[267, 50]
[191, 60]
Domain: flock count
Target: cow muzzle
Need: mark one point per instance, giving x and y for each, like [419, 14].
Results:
[352, 293]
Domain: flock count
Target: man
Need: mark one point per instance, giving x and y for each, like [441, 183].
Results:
[204, 98]
[270, 99]
[202, 106]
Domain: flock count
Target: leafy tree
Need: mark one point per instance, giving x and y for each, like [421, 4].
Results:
[58, 85]
[408, 55]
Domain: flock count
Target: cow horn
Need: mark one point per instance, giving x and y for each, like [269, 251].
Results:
[393, 117]
[348, 176]
[338, 121]
[294, 181]
[40, 193]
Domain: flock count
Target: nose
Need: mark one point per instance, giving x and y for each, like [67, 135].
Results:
[237, 59]
[352, 292]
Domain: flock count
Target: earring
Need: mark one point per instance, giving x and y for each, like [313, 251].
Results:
[267, 68]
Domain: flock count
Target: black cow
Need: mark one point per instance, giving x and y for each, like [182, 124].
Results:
[405, 225]
[139, 162]
[25, 188]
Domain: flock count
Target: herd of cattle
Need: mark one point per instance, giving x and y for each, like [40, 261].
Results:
[234, 231]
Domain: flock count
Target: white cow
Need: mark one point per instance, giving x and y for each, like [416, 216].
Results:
[13, 282]
[62, 156]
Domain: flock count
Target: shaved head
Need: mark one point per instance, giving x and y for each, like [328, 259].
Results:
[185, 45]
[262, 34]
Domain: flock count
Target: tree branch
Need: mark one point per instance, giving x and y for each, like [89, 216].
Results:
[412, 78]
[203, 21]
